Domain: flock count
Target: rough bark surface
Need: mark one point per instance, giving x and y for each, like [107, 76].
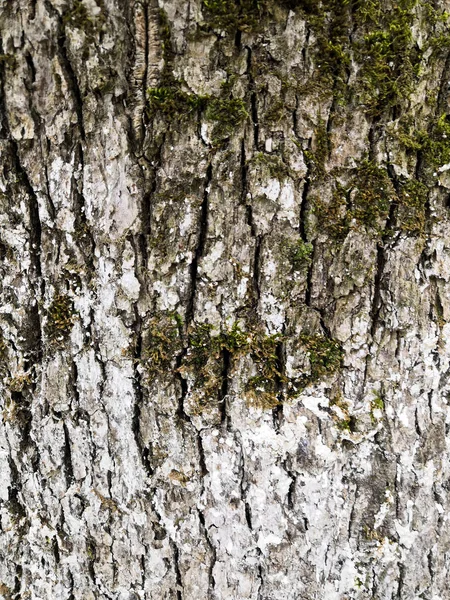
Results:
[224, 346]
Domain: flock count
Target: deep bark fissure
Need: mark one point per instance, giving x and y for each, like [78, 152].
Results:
[277, 411]
[68, 69]
[200, 247]
[176, 562]
[253, 230]
[303, 227]
[253, 99]
[68, 466]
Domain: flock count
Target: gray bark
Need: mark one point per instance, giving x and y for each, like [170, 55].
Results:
[224, 299]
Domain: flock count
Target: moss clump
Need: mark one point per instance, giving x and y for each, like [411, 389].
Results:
[330, 21]
[333, 217]
[365, 203]
[412, 199]
[271, 386]
[325, 357]
[19, 383]
[376, 404]
[206, 356]
[168, 99]
[273, 164]
[275, 112]
[16, 408]
[374, 193]
[373, 33]
[227, 115]
[341, 415]
[232, 15]
[161, 344]
[436, 146]
[10, 60]
[204, 359]
[265, 389]
[78, 17]
[60, 319]
[433, 145]
[387, 53]
[173, 103]
[300, 254]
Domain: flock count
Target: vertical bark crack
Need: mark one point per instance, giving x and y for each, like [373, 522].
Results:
[199, 250]
[68, 70]
[68, 467]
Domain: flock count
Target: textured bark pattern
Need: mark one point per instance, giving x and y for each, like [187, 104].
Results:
[224, 301]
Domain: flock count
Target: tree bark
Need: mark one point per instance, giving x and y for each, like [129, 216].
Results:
[224, 298]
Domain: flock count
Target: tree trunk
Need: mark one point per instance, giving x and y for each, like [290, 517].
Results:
[224, 304]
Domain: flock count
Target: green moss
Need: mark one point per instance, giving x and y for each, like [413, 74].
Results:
[436, 146]
[203, 361]
[341, 416]
[433, 146]
[161, 345]
[275, 112]
[16, 408]
[271, 385]
[412, 199]
[374, 193]
[170, 101]
[60, 319]
[438, 22]
[227, 115]
[325, 357]
[387, 53]
[377, 403]
[271, 163]
[330, 21]
[173, 103]
[19, 383]
[78, 17]
[381, 42]
[264, 389]
[204, 351]
[301, 254]
[232, 15]
[8, 59]
[365, 202]
[333, 216]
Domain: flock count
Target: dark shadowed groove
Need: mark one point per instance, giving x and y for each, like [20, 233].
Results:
[139, 396]
[212, 583]
[176, 563]
[253, 99]
[200, 248]
[67, 68]
[68, 466]
[277, 412]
